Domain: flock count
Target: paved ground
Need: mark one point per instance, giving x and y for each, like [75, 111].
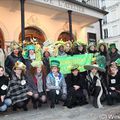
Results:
[86, 112]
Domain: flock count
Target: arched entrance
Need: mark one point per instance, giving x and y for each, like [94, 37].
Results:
[32, 32]
[1, 39]
[65, 36]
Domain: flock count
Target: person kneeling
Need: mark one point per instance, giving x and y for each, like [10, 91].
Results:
[113, 84]
[36, 84]
[95, 83]
[17, 87]
[4, 101]
[75, 85]
[56, 85]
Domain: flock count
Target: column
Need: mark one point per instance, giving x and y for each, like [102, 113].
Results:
[101, 34]
[70, 24]
[22, 20]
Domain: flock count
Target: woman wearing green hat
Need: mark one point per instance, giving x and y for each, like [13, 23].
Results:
[114, 55]
[75, 85]
[56, 85]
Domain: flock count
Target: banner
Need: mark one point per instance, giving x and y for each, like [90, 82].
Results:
[67, 61]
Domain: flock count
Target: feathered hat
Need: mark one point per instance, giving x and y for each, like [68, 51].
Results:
[37, 63]
[98, 62]
[15, 45]
[19, 65]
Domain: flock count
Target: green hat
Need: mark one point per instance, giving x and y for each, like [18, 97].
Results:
[55, 63]
[118, 62]
[113, 45]
[15, 45]
[101, 61]
[26, 50]
[74, 67]
[30, 47]
[90, 67]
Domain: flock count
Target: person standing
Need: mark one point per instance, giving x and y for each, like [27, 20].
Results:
[11, 59]
[114, 55]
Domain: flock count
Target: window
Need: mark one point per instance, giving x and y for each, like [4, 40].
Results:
[91, 38]
[106, 33]
[105, 20]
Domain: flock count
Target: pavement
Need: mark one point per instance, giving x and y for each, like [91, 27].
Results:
[86, 112]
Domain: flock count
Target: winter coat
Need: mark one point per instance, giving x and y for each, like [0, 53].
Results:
[17, 89]
[3, 85]
[10, 62]
[72, 80]
[50, 83]
[114, 56]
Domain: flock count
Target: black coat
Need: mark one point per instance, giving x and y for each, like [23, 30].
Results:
[72, 80]
[10, 62]
[3, 81]
[114, 81]
[114, 56]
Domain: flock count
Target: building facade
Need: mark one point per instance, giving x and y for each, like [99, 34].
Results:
[111, 22]
[48, 20]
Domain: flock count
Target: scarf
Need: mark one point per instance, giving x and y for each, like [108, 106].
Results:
[39, 82]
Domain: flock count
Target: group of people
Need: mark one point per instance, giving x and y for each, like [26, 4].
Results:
[29, 76]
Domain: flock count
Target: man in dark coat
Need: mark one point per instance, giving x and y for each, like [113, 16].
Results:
[75, 85]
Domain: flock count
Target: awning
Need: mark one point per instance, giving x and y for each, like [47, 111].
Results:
[82, 14]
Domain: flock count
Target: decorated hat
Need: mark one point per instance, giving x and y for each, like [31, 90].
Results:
[68, 45]
[26, 51]
[19, 65]
[55, 63]
[112, 45]
[90, 67]
[60, 43]
[30, 47]
[79, 43]
[118, 62]
[91, 44]
[14, 45]
[101, 61]
[101, 42]
[37, 63]
[74, 67]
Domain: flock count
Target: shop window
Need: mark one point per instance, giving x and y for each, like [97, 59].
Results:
[106, 33]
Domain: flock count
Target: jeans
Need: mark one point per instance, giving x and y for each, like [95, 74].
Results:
[7, 103]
